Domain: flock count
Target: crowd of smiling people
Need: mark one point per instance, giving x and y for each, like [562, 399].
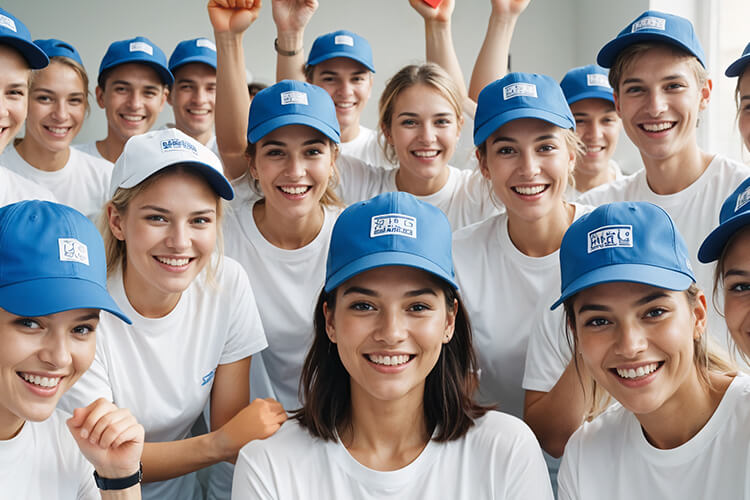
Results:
[416, 329]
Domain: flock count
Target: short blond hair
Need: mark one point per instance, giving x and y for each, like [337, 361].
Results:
[627, 57]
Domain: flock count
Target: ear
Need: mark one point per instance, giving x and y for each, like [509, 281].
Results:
[450, 322]
[700, 311]
[330, 328]
[251, 168]
[617, 104]
[706, 94]
[387, 134]
[99, 96]
[482, 159]
[169, 98]
[164, 98]
[115, 222]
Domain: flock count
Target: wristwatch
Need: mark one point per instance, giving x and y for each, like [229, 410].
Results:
[285, 53]
[120, 483]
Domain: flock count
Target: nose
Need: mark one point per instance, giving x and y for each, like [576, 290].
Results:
[656, 104]
[631, 341]
[60, 111]
[200, 95]
[55, 350]
[427, 133]
[135, 100]
[392, 327]
[591, 132]
[529, 166]
[295, 167]
[344, 88]
[179, 237]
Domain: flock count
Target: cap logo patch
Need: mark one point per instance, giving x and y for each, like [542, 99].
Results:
[72, 250]
[742, 199]
[597, 80]
[518, 90]
[619, 236]
[293, 97]
[7, 22]
[343, 40]
[649, 23]
[178, 145]
[208, 44]
[396, 224]
[141, 47]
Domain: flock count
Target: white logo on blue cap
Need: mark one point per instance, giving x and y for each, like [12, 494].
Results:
[141, 47]
[518, 90]
[742, 199]
[72, 250]
[7, 22]
[208, 44]
[617, 236]
[597, 80]
[178, 145]
[293, 97]
[396, 224]
[649, 23]
[343, 40]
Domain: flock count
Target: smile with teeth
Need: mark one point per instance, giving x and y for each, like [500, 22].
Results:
[345, 105]
[133, 118]
[199, 112]
[594, 149]
[174, 262]
[397, 360]
[426, 154]
[634, 373]
[530, 190]
[657, 127]
[295, 189]
[58, 130]
[40, 381]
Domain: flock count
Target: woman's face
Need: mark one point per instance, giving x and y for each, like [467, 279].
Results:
[744, 114]
[424, 131]
[40, 359]
[14, 88]
[170, 233]
[389, 326]
[637, 341]
[528, 163]
[57, 107]
[736, 284]
[293, 165]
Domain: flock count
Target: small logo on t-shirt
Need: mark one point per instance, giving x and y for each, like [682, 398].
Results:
[178, 145]
[141, 47]
[610, 237]
[343, 40]
[208, 44]
[742, 199]
[518, 90]
[72, 250]
[7, 22]
[649, 23]
[293, 97]
[597, 80]
[396, 224]
[208, 377]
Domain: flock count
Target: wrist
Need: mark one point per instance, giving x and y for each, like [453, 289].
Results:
[216, 446]
[290, 40]
[286, 52]
[114, 479]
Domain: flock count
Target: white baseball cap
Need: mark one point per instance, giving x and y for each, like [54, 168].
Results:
[146, 154]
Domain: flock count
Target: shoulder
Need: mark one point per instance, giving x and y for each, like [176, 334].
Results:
[19, 188]
[603, 432]
[282, 447]
[502, 428]
[472, 235]
[724, 167]
[617, 190]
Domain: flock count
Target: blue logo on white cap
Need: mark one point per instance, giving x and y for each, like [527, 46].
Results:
[518, 90]
[7, 22]
[72, 250]
[649, 23]
[178, 145]
[395, 224]
[617, 236]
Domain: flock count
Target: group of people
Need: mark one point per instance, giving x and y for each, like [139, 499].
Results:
[416, 329]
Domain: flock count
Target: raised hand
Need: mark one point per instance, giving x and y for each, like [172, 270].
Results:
[441, 14]
[233, 16]
[509, 7]
[292, 16]
[258, 420]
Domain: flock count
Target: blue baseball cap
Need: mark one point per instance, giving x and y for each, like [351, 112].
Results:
[520, 95]
[391, 229]
[625, 241]
[146, 154]
[341, 43]
[291, 102]
[197, 50]
[738, 66]
[51, 260]
[734, 214]
[57, 48]
[586, 82]
[14, 33]
[137, 50]
[654, 26]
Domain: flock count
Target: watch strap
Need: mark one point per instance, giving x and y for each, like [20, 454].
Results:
[120, 483]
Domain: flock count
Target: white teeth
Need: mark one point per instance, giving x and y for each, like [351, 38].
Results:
[388, 360]
[529, 190]
[41, 381]
[426, 154]
[294, 189]
[174, 262]
[198, 111]
[56, 130]
[641, 371]
[657, 127]
[133, 118]
[345, 105]
[594, 149]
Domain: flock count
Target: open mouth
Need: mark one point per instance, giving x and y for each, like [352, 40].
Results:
[395, 360]
[61, 131]
[175, 262]
[345, 105]
[639, 373]
[42, 382]
[657, 127]
[133, 118]
[295, 190]
[198, 112]
[427, 154]
[530, 190]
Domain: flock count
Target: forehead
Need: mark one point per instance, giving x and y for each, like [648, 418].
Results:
[737, 255]
[134, 74]
[342, 66]
[58, 74]
[195, 71]
[526, 129]
[395, 279]
[592, 106]
[657, 62]
[13, 64]
[421, 98]
[291, 134]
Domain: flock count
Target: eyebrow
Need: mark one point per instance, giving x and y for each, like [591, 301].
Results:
[640, 302]
[165, 211]
[640, 80]
[147, 86]
[409, 113]
[546, 137]
[736, 272]
[49, 91]
[88, 317]
[272, 142]
[373, 293]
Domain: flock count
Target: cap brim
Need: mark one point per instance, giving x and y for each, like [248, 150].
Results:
[334, 54]
[488, 128]
[738, 66]
[714, 243]
[382, 259]
[46, 296]
[264, 128]
[609, 52]
[35, 56]
[631, 273]
[193, 59]
[216, 180]
[164, 74]
[592, 94]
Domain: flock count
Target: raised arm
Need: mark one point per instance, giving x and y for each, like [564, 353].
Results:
[232, 99]
[492, 60]
[291, 18]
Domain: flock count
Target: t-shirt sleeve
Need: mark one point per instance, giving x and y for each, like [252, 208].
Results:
[252, 475]
[94, 384]
[548, 353]
[245, 336]
[526, 473]
[567, 477]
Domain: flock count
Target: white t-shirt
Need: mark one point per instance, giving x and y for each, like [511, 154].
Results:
[83, 183]
[499, 458]
[502, 289]
[465, 197]
[90, 149]
[365, 147]
[572, 194]
[287, 283]
[162, 369]
[14, 188]
[611, 458]
[43, 462]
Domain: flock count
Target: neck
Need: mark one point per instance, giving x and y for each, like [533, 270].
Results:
[419, 186]
[39, 157]
[589, 180]
[679, 419]
[350, 133]
[285, 231]
[10, 424]
[111, 147]
[145, 299]
[543, 236]
[386, 435]
[672, 175]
